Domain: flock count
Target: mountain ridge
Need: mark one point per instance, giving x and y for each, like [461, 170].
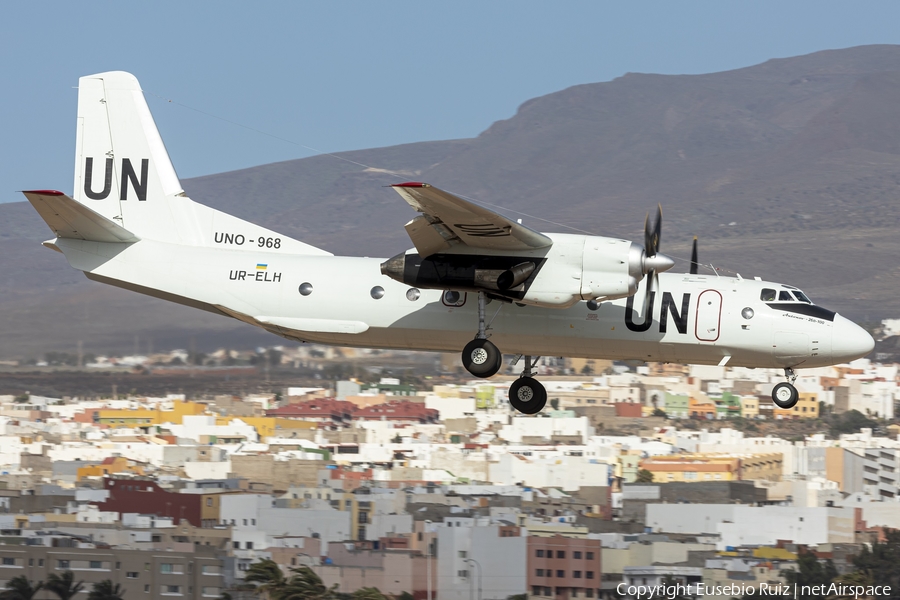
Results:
[789, 170]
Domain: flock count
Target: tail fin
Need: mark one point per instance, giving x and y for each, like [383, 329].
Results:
[122, 169]
[123, 172]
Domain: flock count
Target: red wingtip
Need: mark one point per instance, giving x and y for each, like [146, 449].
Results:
[44, 192]
[417, 184]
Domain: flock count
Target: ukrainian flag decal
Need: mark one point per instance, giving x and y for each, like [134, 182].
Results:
[261, 266]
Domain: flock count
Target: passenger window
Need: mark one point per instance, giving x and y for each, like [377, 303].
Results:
[785, 296]
[767, 295]
[802, 297]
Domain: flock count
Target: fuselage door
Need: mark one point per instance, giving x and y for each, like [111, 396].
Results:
[709, 316]
[791, 347]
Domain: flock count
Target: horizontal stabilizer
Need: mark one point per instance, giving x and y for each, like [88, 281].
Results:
[70, 219]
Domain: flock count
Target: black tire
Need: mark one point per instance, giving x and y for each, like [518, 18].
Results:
[481, 358]
[785, 395]
[527, 395]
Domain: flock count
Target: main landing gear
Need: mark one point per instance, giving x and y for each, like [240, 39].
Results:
[526, 394]
[785, 395]
[482, 358]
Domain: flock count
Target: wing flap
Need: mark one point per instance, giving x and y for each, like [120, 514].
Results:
[70, 219]
[430, 238]
[316, 325]
[298, 323]
[454, 220]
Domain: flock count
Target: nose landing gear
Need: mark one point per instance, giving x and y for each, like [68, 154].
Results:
[785, 395]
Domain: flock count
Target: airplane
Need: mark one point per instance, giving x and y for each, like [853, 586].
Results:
[474, 280]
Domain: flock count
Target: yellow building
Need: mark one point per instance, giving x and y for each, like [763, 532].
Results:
[773, 553]
[691, 468]
[588, 366]
[749, 407]
[807, 407]
[210, 510]
[762, 467]
[143, 417]
[273, 426]
[110, 465]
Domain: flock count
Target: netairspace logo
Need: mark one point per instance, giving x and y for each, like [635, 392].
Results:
[671, 592]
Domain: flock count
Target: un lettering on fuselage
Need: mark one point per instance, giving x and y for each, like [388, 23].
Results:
[128, 176]
[668, 308]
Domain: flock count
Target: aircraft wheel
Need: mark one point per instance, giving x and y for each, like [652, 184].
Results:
[481, 358]
[785, 395]
[527, 395]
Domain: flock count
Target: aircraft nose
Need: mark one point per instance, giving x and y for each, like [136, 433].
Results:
[849, 341]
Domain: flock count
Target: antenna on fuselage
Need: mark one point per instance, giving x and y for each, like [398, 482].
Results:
[694, 264]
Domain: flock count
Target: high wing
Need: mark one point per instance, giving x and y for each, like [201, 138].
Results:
[448, 220]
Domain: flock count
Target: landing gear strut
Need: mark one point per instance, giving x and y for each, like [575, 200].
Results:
[785, 395]
[526, 394]
[480, 357]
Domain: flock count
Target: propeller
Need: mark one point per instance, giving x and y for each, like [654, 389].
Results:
[694, 264]
[653, 261]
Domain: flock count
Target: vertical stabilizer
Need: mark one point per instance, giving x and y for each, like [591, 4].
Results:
[122, 169]
[123, 172]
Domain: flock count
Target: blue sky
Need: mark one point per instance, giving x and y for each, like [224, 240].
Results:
[346, 75]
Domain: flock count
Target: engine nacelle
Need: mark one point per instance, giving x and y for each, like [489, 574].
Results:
[611, 268]
[573, 269]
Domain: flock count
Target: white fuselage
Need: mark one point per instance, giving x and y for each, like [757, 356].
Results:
[701, 323]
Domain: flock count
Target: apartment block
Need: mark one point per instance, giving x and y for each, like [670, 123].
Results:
[564, 567]
[880, 469]
[144, 575]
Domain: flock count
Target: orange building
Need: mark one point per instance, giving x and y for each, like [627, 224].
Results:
[715, 467]
[701, 409]
[369, 400]
[111, 465]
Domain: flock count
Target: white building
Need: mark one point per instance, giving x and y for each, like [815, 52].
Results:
[475, 555]
[744, 525]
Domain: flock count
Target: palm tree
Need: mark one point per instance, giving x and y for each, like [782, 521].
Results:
[64, 585]
[19, 588]
[106, 590]
[368, 593]
[854, 578]
[644, 476]
[267, 574]
[304, 584]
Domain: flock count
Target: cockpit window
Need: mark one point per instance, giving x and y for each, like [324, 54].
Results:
[770, 295]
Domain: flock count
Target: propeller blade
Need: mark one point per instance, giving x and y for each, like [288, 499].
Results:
[652, 232]
[657, 229]
[652, 287]
[648, 237]
[694, 263]
[652, 261]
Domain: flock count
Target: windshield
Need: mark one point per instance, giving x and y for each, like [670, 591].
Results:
[770, 295]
